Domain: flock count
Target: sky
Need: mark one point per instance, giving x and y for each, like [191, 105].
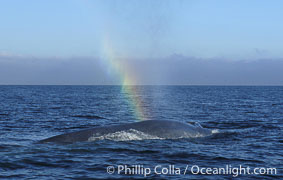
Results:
[159, 41]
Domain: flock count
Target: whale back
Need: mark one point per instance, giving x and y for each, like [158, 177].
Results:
[161, 129]
[172, 129]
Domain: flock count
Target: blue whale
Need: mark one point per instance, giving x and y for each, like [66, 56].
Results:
[150, 129]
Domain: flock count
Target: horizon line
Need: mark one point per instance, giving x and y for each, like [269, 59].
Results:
[141, 85]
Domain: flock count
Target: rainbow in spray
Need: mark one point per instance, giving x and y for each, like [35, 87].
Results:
[127, 78]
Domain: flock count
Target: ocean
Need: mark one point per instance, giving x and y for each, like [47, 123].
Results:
[247, 143]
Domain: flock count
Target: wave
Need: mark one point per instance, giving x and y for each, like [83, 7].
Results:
[215, 131]
[88, 116]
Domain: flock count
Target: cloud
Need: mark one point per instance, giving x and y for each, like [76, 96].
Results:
[14, 70]
[173, 70]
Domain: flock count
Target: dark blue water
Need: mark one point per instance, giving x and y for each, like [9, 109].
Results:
[249, 120]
